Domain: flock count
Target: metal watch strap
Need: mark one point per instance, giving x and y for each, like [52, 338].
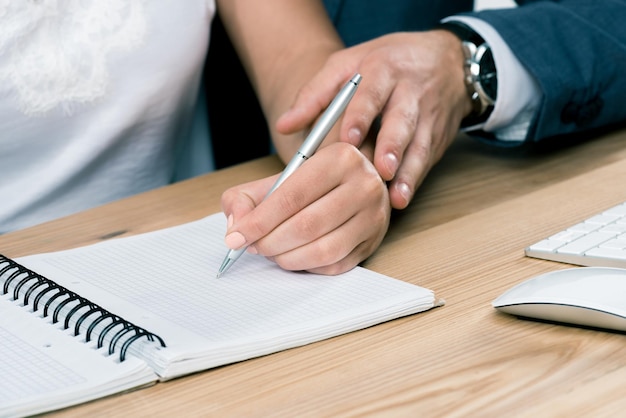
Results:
[474, 47]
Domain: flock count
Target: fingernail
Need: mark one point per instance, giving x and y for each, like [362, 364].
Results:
[354, 136]
[235, 240]
[405, 191]
[252, 250]
[289, 112]
[283, 116]
[391, 163]
[230, 221]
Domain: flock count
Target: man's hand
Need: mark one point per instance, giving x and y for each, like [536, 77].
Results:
[412, 86]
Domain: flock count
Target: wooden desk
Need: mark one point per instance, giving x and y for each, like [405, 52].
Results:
[463, 237]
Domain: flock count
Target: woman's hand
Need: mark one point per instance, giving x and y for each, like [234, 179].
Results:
[327, 217]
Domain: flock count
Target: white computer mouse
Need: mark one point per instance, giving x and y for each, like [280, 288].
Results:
[588, 296]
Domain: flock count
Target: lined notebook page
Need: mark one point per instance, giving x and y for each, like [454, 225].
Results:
[165, 281]
[43, 368]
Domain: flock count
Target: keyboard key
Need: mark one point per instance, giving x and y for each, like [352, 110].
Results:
[567, 236]
[548, 245]
[608, 253]
[614, 227]
[603, 219]
[618, 243]
[584, 227]
[585, 243]
[617, 210]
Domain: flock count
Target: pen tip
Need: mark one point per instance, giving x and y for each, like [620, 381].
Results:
[225, 266]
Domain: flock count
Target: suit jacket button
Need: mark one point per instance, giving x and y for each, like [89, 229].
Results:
[582, 114]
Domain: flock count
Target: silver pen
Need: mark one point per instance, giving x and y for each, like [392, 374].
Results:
[306, 150]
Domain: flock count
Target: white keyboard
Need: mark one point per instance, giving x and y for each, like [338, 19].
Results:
[597, 241]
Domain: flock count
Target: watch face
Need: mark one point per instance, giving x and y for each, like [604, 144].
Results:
[488, 77]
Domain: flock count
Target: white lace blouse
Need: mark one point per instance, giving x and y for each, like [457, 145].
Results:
[94, 96]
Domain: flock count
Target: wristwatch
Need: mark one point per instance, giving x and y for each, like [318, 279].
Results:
[481, 79]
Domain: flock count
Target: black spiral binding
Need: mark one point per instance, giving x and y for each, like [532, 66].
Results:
[45, 291]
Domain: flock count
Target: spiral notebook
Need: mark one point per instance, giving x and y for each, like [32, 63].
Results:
[81, 324]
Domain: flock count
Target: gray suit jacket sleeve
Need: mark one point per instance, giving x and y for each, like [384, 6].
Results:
[576, 50]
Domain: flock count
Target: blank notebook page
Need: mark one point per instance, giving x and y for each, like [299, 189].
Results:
[165, 281]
